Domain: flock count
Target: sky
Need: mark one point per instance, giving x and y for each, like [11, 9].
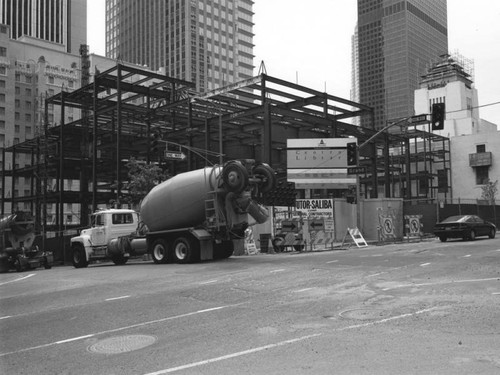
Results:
[309, 42]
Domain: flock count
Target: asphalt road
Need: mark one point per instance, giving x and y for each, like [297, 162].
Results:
[418, 308]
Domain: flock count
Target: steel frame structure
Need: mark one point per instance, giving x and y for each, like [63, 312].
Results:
[125, 105]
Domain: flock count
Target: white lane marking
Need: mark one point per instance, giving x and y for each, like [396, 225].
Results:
[234, 355]
[467, 256]
[208, 282]
[278, 270]
[281, 343]
[119, 329]
[387, 319]
[303, 290]
[332, 261]
[5, 317]
[441, 283]
[19, 279]
[424, 264]
[496, 293]
[74, 339]
[376, 274]
[115, 298]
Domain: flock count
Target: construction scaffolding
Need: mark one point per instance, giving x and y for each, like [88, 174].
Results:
[252, 119]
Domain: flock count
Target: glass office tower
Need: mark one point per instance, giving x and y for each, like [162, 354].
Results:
[397, 41]
[209, 42]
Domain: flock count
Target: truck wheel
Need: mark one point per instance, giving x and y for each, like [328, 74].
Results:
[159, 251]
[186, 250]
[79, 257]
[119, 259]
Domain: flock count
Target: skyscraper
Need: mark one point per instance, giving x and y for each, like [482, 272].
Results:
[397, 40]
[62, 22]
[208, 42]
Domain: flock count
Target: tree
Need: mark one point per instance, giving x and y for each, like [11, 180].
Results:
[142, 178]
[489, 191]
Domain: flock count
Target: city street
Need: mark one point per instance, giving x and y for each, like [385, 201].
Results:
[408, 308]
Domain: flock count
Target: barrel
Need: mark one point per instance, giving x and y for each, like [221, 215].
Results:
[180, 201]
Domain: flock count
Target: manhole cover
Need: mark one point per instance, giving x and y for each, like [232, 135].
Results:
[364, 314]
[122, 344]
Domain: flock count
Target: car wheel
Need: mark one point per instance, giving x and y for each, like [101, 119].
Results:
[443, 238]
[492, 233]
[472, 235]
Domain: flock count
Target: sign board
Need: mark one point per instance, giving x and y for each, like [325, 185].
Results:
[290, 226]
[174, 155]
[317, 153]
[356, 170]
[418, 119]
[323, 207]
[329, 226]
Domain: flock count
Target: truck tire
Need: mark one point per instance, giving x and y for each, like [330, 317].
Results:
[160, 251]
[79, 256]
[119, 259]
[186, 250]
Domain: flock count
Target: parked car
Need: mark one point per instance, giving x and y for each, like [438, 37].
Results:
[464, 226]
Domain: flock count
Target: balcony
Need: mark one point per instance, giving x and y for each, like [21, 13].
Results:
[481, 159]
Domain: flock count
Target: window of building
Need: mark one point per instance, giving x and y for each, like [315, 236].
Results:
[3, 70]
[3, 52]
[2, 125]
[51, 79]
[28, 79]
[18, 90]
[17, 129]
[2, 98]
[482, 175]
[2, 84]
[480, 148]
[18, 77]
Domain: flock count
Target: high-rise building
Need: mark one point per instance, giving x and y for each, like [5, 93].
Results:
[397, 41]
[62, 22]
[208, 42]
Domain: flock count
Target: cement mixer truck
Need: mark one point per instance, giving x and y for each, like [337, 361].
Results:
[193, 216]
[17, 248]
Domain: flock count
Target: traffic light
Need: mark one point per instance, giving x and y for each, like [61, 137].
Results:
[352, 153]
[438, 111]
[154, 143]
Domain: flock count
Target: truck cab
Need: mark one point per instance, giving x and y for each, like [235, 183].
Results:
[106, 225]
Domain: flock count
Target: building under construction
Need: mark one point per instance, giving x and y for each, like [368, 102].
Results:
[126, 109]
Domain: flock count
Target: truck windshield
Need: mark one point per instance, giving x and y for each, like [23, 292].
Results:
[96, 220]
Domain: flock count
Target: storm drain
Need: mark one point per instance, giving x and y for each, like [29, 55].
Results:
[121, 344]
[365, 314]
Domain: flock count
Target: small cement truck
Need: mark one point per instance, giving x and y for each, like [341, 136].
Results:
[193, 216]
[17, 248]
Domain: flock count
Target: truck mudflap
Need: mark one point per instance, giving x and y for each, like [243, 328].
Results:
[206, 243]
